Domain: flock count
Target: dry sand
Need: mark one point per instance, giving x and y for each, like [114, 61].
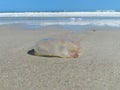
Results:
[97, 68]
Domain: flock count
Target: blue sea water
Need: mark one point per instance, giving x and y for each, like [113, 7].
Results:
[70, 22]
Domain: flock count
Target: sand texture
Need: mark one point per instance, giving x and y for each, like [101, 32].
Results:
[97, 67]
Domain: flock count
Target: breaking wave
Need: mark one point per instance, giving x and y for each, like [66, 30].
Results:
[99, 18]
[108, 13]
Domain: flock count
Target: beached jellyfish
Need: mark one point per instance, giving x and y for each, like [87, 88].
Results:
[57, 48]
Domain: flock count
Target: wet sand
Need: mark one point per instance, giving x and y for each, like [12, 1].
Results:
[97, 68]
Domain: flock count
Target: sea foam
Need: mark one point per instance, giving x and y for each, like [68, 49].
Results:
[99, 18]
[59, 14]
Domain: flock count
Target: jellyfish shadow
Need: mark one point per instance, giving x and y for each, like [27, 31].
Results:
[32, 52]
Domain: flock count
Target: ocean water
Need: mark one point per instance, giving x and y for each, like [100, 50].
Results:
[69, 20]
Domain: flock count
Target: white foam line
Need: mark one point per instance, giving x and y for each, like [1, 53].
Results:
[60, 14]
[70, 22]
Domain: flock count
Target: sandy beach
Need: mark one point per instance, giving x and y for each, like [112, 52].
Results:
[97, 67]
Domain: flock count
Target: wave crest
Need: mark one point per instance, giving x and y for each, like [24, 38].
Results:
[61, 14]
